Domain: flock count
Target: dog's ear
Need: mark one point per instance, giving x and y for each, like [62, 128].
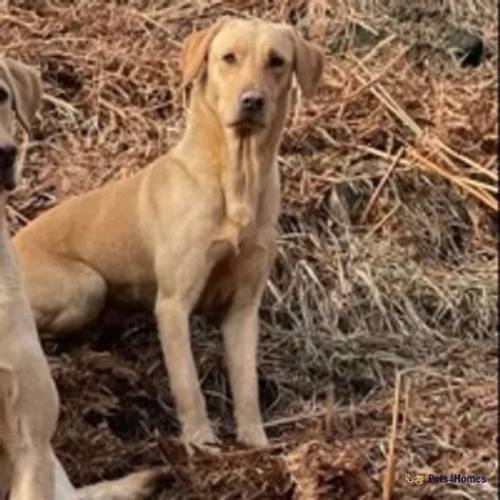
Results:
[195, 51]
[308, 64]
[26, 87]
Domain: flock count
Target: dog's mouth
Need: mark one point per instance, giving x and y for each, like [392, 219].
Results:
[247, 125]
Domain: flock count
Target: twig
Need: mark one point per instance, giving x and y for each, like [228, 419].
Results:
[484, 197]
[384, 219]
[60, 103]
[476, 166]
[381, 184]
[425, 165]
[330, 411]
[376, 78]
[377, 47]
[293, 419]
[388, 485]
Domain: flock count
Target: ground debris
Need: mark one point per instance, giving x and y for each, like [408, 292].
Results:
[387, 256]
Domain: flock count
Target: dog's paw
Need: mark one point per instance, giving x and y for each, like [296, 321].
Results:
[201, 438]
[253, 436]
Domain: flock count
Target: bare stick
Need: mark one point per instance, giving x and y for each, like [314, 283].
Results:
[381, 184]
[388, 486]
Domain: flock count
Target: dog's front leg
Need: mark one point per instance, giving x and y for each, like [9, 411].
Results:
[178, 289]
[241, 331]
[172, 316]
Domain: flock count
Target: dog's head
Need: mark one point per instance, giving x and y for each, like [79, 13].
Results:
[20, 97]
[246, 69]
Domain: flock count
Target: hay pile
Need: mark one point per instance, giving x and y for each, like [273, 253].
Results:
[387, 257]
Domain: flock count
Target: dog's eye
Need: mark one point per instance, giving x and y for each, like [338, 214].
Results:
[276, 61]
[3, 95]
[229, 58]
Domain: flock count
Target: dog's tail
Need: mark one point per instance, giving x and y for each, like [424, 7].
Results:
[136, 486]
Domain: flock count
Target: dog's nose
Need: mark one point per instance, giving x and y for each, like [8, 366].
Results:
[7, 155]
[252, 101]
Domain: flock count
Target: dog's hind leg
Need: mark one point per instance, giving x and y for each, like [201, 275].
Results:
[136, 486]
[65, 295]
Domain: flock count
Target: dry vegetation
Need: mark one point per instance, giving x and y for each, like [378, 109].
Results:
[387, 258]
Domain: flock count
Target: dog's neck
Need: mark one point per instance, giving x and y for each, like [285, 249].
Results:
[242, 162]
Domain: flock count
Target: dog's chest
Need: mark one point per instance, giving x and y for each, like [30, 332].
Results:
[223, 254]
[236, 266]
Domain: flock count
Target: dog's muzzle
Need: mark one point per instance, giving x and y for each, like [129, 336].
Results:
[251, 109]
[8, 153]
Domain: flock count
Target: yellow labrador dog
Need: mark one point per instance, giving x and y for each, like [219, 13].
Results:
[194, 230]
[29, 403]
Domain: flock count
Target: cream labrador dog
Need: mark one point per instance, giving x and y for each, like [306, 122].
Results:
[29, 404]
[196, 229]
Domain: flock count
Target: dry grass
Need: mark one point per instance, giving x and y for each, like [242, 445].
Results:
[387, 256]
